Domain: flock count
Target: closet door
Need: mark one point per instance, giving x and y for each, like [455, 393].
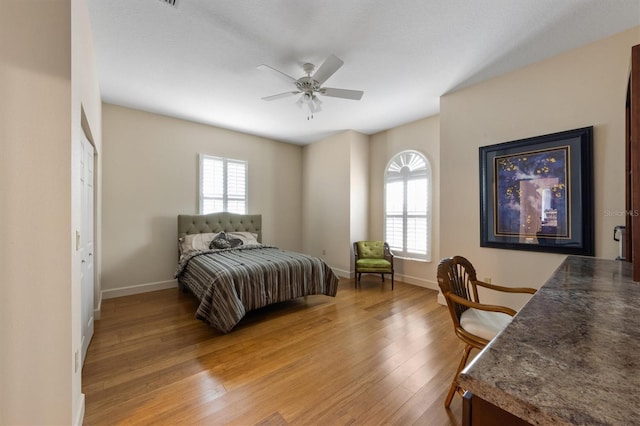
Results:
[86, 243]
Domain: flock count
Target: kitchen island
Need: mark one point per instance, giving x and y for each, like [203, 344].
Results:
[570, 356]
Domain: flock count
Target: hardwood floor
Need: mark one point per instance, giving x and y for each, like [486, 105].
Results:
[368, 356]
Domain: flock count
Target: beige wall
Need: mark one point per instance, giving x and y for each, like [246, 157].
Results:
[359, 187]
[43, 83]
[326, 195]
[150, 176]
[571, 90]
[584, 87]
[423, 136]
[335, 198]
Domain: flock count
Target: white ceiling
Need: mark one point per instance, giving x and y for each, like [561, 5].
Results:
[197, 60]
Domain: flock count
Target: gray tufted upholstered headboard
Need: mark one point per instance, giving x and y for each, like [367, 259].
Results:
[218, 222]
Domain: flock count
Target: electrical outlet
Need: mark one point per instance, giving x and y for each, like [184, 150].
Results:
[487, 280]
[324, 252]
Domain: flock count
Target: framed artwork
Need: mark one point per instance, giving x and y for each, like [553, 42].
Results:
[537, 193]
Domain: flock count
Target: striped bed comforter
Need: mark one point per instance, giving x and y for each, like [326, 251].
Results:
[231, 282]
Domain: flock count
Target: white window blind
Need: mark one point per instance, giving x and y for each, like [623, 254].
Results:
[223, 185]
[407, 221]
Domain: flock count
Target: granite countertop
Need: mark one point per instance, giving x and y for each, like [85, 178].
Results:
[572, 353]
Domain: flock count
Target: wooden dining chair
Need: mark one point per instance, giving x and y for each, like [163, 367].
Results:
[474, 323]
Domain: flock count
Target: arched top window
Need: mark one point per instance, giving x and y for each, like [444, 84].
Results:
[407, 206]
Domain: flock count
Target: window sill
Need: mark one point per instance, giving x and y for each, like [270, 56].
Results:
[412, 259]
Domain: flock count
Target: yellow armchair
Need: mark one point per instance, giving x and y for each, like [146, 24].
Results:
[373, 257]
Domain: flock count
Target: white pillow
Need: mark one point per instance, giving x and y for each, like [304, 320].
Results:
[247, 238]
[192, 242]
[485, 324]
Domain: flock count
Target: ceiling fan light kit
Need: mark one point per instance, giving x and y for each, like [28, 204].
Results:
[309, 85]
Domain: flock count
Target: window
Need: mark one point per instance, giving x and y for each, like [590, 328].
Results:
[407, 211]
[223, 185]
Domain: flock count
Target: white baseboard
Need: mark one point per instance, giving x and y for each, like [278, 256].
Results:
[342, 273]
[420, 282]
[137, 289]
[408, 279]
[163, 285]
[79, 416]
[97, 311]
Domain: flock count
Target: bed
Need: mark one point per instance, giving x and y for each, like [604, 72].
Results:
[230, 281]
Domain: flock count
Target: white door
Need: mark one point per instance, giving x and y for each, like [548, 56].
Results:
[86, 243]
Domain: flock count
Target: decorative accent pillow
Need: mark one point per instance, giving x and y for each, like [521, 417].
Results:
[220, 243]
[235, 242]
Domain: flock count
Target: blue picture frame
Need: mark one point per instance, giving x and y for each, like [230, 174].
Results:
[537, 193]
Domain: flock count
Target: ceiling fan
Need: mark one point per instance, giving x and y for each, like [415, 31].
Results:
[309, 85]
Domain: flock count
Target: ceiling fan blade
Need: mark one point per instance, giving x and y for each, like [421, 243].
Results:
[279, 96]
[279, 74]
[328, 67]
[356, 95]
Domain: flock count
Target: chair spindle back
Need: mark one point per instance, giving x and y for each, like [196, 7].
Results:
[456, 275]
